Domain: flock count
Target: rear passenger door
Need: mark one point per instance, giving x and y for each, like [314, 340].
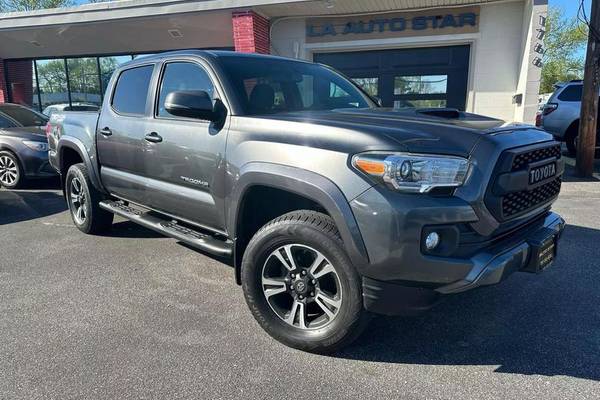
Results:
[186, 166]
[123, 123]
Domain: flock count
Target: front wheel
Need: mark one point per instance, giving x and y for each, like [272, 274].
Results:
[83, 200]
[11, 173]
[300, 285]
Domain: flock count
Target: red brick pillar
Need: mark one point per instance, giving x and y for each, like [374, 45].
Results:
[21, 81]
[3, 91]
[251, 32]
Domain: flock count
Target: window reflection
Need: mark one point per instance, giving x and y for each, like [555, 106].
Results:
[84, 82]
[52, 82]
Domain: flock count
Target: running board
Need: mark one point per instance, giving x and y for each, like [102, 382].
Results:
[170, 228]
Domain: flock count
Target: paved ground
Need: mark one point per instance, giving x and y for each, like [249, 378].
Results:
[135, 315]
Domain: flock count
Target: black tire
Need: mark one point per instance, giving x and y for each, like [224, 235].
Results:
[96, 219]
[317, 231]
[9, 157]
[571, 139]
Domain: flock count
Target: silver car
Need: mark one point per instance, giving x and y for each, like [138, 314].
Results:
[560, 115]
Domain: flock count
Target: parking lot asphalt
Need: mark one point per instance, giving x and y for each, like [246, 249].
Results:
[136, 315]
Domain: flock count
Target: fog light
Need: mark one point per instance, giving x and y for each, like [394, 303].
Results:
[432, 240]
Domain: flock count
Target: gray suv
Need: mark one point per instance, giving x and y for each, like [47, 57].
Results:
[560, 115]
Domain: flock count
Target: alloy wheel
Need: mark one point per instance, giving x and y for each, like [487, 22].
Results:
[9, 172]
[79, 203]
[301, 286]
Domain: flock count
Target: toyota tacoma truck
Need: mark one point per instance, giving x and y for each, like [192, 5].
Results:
[330, 207]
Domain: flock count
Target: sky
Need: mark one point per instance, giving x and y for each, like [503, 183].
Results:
[570, 6]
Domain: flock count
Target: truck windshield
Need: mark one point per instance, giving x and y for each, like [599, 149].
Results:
[275, 86]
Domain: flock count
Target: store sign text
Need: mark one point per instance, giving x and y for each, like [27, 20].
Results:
[398, 24]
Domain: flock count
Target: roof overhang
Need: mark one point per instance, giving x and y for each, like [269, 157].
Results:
[135, 26]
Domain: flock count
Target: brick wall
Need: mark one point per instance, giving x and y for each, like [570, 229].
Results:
[20, 77]
[3, 92]
[251, 32]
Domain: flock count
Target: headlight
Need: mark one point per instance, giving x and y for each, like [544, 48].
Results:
[37, 146]
[414, 173]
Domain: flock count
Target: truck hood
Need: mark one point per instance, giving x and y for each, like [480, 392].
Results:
[35, 133]
[443, 131]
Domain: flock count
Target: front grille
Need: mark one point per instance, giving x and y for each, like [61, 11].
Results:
[521, 161]
[509, 196]
[518, 202]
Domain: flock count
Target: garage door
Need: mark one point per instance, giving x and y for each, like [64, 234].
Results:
[422, 77]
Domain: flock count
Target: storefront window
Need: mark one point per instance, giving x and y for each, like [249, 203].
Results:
[52, 77]
[369, 85]
[84, 81]
[424, 84]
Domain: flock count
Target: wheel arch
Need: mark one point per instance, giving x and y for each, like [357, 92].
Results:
[70, 145]
[304, 184]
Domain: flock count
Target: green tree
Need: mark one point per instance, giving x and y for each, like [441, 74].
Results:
[28, 5]
[564, 44]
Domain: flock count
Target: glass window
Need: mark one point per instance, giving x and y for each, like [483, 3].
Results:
[369, 85]
[182, 76]
[52, 82]
[131, 90]
[424, 84]
[24, 116]
[108, 65]
[437, 103]
[84, 82]
[281, 86]
[6, 122]
[571, 93]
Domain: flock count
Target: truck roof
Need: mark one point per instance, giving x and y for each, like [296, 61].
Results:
[208, 54]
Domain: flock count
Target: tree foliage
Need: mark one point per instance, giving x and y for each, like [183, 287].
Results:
[564, 43]
[28, 5]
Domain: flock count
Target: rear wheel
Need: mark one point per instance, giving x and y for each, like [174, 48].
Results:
[571, 139]
[83, 200]
[11, 173]
[300, 285]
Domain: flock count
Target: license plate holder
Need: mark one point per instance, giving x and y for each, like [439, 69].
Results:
[543, 250]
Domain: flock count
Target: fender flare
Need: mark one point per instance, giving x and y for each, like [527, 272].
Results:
[304, 183]
[69, 142]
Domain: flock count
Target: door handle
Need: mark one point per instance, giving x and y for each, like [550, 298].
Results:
[153, 137]
[105, 131]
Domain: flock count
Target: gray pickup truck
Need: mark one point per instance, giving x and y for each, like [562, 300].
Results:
[329, 207]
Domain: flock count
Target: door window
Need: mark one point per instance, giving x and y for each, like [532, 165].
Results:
[182, 76]
[131, 91]
[369, 85]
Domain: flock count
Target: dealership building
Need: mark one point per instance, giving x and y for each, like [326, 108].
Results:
[481, 56]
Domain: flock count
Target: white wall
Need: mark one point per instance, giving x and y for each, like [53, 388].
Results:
[497, 60]
[500, 56]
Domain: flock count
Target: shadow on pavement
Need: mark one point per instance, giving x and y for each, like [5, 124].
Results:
[24, 205]
[547, 324]
[128, 229]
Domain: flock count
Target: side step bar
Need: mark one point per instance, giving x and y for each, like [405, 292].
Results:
[170, 228]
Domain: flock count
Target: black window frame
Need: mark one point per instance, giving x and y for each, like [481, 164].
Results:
[148, 93]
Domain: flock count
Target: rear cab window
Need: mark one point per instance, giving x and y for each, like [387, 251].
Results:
[571, 93]
[131, 91]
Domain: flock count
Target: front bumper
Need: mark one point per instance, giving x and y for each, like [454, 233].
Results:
[488, 267]
[496, 263]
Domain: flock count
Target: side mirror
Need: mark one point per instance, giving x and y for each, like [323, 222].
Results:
[191, 104]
